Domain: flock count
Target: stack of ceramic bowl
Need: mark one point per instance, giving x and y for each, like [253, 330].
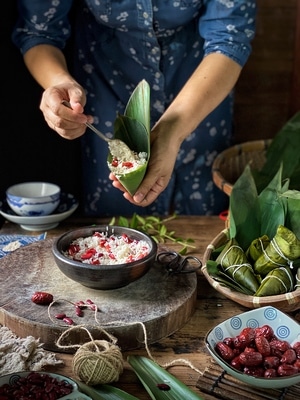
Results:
[37, 206]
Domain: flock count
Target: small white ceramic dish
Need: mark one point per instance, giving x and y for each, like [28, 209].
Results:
[76, 394]
[33, 199]
[68, 204]
[285, 328]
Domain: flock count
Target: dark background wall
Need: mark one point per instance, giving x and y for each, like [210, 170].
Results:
[29, 150]
[266, 97]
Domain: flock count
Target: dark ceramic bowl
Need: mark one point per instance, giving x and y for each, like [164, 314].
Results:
[103, 277]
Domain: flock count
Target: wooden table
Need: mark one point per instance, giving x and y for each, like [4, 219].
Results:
[188, 342]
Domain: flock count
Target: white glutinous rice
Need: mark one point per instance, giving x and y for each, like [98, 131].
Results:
[104, 249]
[122, 167]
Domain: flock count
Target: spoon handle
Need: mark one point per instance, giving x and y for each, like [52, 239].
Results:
[100, 134]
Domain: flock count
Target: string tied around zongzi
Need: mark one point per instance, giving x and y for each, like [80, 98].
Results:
[277, 248]
[235, 263]
[282, 250]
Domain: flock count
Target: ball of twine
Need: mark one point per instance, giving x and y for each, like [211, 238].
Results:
[98, 362]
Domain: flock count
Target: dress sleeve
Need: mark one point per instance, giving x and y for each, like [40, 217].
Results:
[228, 27]
[41, 22]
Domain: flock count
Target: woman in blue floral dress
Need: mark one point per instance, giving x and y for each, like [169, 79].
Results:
[191, 53]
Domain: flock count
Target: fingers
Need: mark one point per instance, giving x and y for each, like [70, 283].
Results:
[146, 195]
[68, 123]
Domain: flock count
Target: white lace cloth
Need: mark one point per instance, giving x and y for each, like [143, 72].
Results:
[23, 354]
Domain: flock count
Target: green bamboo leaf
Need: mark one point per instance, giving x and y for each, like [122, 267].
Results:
[109, 392]
[273, 206]
[133, 132]
[151, 375]
[293, 215]
[132, 180]
[244, 212]
[283, 149]
[133, 128]
[213, 269]
[292, 194]
[89, 391]
[104, 392]
[138, 104]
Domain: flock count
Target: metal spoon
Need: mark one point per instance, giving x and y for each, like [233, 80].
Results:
[117, 147]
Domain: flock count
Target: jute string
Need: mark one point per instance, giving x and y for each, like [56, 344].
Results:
[101, 361]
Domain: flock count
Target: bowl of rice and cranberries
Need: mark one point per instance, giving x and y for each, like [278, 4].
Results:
[260, 347]
[104, 257]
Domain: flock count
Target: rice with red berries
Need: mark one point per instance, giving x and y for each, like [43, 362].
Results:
[104, 249]
[122, 167]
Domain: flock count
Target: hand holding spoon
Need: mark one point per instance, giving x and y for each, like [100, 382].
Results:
[117, 147]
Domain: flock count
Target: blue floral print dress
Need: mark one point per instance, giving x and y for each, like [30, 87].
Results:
[119, 43]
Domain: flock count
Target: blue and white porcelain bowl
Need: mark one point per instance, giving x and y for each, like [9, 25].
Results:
[33, 199]
[285, 328]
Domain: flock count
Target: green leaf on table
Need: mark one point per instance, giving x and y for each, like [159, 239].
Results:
[104, 392]
[153, 375]
[112, 393]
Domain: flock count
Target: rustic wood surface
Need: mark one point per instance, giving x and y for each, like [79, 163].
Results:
[162, 303]
[187, 342]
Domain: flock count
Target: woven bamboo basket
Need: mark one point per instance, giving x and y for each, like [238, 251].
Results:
[287, 302]
[230, 164]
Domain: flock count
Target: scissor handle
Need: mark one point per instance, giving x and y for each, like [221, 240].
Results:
[197, 264]
[168, 258]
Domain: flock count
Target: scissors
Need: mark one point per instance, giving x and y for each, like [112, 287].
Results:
[177, 264]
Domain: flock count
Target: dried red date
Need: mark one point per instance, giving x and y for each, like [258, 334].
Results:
[266, 331]
[279, 346]
[297, 364]
[229, 342]
[258, 372]
[235, 363]
[247, 336]
[42, 298]
[251, 359]
[271, 362]
[263, 346]
[261, 354]
[296, 347]
[287, 370]
[225, 351]
[288, 357]
[270, 373]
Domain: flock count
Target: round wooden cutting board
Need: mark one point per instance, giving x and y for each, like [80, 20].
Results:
[160, 303]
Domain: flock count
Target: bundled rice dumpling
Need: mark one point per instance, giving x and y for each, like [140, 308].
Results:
[257, 247]
[283, 249]
[234, 262]
[278, 281]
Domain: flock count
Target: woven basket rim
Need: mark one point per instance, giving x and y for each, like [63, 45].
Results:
[249, 147]
[287, 302]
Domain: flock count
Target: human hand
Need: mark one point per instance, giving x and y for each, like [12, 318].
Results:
[68, 123]
[163, 155]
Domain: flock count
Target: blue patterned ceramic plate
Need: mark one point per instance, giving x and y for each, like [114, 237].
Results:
[285, 328]
[68, 204]
[11, 379]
